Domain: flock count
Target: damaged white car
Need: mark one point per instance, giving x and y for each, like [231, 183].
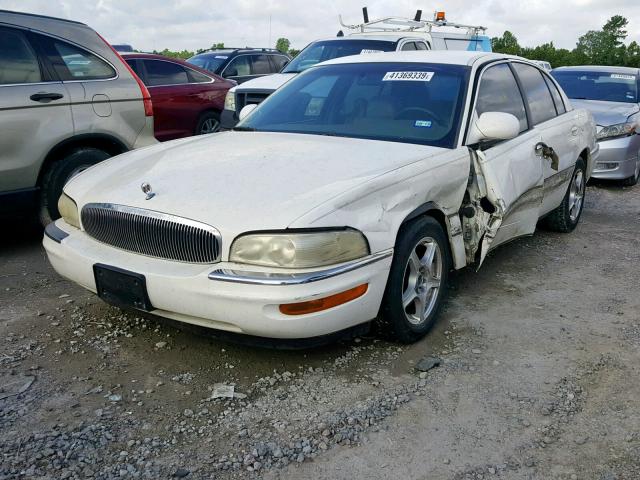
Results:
[348, 195]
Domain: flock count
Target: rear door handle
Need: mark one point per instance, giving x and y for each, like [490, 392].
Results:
[44, 96]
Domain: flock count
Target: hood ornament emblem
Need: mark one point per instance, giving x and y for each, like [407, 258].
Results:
[146, 189]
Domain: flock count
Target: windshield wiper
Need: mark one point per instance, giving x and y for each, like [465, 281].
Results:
[244, 129]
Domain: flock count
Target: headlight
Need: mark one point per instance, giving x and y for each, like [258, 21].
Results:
[299, 250]
[68, 210]
[230, 101]
[619, 130]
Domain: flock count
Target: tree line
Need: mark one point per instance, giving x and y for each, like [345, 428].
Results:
[596, 47]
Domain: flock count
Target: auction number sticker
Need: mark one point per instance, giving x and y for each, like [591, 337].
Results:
[366, 50]
[622, 77]
[221, 57]
[408, 76]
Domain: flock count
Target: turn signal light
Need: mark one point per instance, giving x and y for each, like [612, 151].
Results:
[440, 17]
[325, 303]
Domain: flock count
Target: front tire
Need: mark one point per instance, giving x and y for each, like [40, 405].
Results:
[632, 180]
[417, 284]
[59, 174]
[566, 216]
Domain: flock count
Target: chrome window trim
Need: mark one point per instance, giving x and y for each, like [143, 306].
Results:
[211, 79]
[271, 278]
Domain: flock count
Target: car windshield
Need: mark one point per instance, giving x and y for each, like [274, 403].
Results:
[600, 85]
[209, 61]
[321, 51]
[400, 102]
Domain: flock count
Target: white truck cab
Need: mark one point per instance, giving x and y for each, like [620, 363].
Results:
[386, 34]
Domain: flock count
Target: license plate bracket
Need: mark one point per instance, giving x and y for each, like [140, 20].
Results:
[121, 287]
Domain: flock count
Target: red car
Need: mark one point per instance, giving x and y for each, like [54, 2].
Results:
[187, 100]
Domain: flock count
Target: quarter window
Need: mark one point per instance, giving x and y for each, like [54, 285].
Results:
[160, 73]
[499, 92]
[421, 46]
[537, 93]
[279, 61]
[197, 77]
[18, 62]
[74, 63]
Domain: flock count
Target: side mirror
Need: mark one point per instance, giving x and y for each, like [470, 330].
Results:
[246, 110]
[494, 126]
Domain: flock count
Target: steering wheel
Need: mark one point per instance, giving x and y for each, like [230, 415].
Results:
[429, 114]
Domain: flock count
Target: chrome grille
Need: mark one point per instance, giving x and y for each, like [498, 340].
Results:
[151, 233]
[249, 98]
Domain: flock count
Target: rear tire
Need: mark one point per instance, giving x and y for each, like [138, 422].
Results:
[209, 122]
[417, 284]
[59, 174]
[566, 216]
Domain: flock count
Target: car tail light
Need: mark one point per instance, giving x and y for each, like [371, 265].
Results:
[146, 96]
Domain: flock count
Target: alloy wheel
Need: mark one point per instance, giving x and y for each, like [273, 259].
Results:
[210, 125]
[422, 281]
[576, 195]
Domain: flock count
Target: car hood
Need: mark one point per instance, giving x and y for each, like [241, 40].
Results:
[268, 82]
[241, 181]
[607, 113]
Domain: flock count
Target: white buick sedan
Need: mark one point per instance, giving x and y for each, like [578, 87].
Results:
[347, 196]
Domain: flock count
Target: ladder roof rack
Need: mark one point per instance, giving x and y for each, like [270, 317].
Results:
[401, 24]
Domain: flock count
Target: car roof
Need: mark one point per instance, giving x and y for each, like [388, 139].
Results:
[46, 17]
[231, 51]
[599, 68]
[449, 57]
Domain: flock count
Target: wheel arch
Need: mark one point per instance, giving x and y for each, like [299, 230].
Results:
[451, 227]
[107, 143]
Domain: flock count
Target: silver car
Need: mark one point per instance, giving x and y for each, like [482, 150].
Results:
[612, 96]
[67, 101]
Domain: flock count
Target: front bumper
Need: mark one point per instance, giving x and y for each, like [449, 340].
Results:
[216, 296]
[618, 158]
[228, 119]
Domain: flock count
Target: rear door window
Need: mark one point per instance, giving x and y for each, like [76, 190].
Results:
[499, 92]
[18, 61]
[261, 65]
[421, 46]
[537, 93]
[409, 46]
[160, 72]
[74, 63]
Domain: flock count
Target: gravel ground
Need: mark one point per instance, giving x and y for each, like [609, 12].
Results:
[538, 377]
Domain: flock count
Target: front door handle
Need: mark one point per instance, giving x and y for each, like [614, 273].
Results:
[545, 151]
[45, 96]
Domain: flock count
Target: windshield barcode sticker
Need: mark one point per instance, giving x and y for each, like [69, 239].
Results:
[422, 123]
[221, 57]
[622, 77]
[366, 50]
[408, 76]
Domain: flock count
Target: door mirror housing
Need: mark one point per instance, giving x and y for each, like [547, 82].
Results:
[246, 110]
[493, 126]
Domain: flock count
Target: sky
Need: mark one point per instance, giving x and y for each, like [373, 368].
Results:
[192, 24]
